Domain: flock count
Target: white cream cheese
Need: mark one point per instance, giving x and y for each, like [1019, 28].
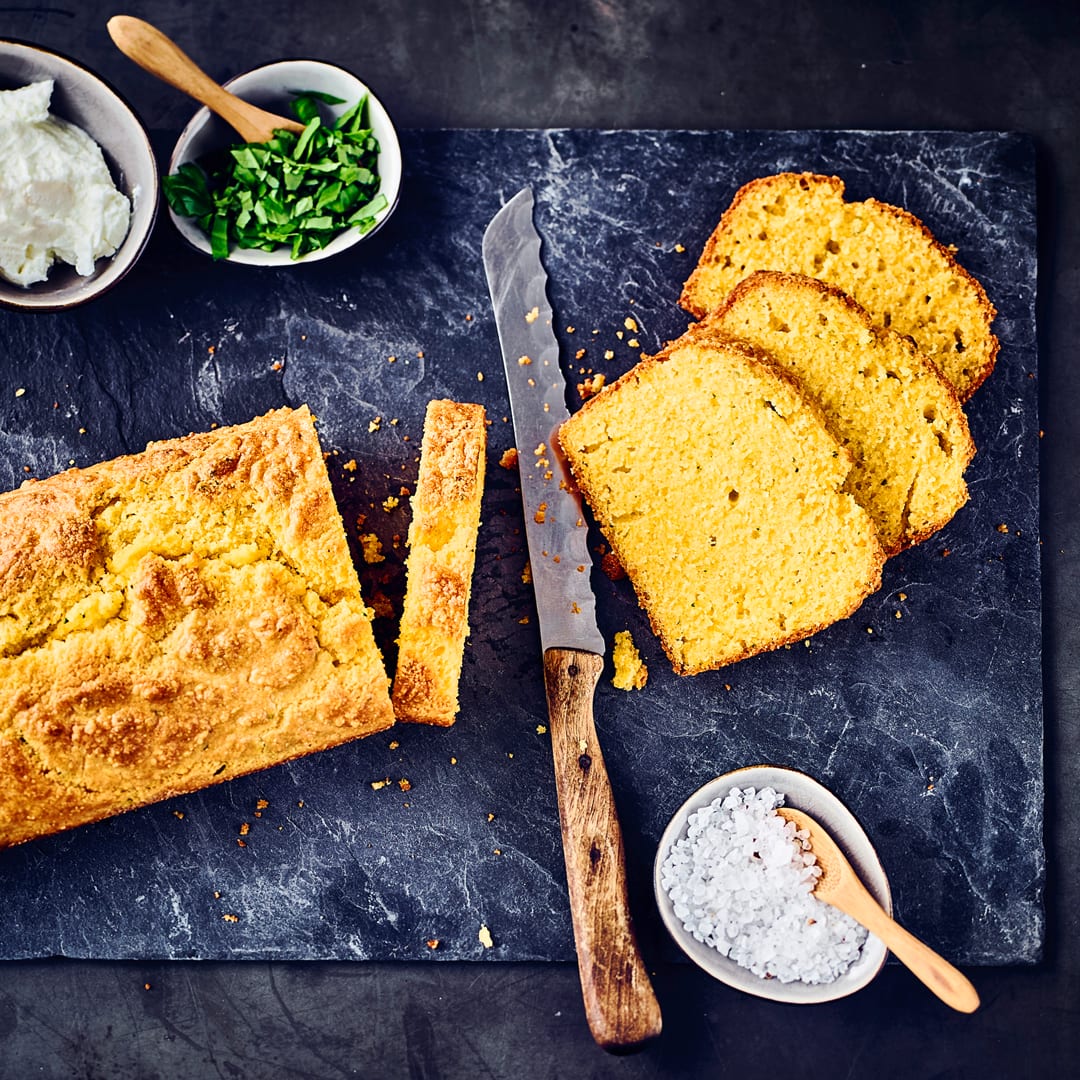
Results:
[57, 199]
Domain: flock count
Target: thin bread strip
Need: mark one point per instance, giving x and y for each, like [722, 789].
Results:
[442, 551]
[882, 399]
[718, 486]
[881, 255]
[173, 619]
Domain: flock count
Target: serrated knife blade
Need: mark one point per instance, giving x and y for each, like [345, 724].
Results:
[554, 526]
[620, 1005]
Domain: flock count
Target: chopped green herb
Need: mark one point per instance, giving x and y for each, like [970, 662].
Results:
[296, 190]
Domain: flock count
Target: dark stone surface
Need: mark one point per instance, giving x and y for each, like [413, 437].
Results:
[886, 65]
[929, 725]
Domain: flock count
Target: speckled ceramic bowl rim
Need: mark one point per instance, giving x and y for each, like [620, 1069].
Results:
[133, 254]
[341, 243]
[826, 809]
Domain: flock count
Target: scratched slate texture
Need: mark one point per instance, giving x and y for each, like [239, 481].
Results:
[923, 712]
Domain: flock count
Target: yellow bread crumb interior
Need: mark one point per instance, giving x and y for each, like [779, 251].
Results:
[718, 487]
[630, 670]
[879, 254]
[442, 552]
[886, 403]
[175, 618]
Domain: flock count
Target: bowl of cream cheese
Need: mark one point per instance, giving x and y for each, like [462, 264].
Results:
[78, 182]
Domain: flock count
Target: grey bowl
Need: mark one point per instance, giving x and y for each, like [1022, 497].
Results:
[803, 793]
[83, 98]
[271, 87]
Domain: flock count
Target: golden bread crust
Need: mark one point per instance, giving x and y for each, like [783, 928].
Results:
[882, 255]
[442, 553]
[176, 618]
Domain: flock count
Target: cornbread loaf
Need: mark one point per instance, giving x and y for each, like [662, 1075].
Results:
[442, 550]
[879, 254]
[718, 486]
[884, 401]
[173, 619]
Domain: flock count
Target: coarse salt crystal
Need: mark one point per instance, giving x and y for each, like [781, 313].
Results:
[741, 880]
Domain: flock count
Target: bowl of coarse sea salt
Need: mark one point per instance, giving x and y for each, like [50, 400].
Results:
[733, 883]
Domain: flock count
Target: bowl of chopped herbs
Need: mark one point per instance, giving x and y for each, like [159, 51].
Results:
[299, 196]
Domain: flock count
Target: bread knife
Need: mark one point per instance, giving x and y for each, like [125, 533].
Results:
[620, 1005]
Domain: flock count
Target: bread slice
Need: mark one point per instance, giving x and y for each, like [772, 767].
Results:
[173, 619]
[879, 254]
[882, 399]
[442, 550]
[718, 486]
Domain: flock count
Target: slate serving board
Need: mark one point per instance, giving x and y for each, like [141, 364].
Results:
[923, 712]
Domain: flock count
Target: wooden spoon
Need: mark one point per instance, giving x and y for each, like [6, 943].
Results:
[840, 886]
[161, 56]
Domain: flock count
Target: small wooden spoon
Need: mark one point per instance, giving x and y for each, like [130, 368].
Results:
[161, 56]
[840, 886]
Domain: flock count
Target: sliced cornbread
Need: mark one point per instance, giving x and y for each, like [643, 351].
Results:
[442, 550]
[718, 486]
[176, 618]
[884, 401]
[879, 254]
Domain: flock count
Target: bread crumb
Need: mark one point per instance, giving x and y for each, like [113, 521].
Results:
[350, 465]
[391, 359]
[479, 376]
[375, 424]
[524, 621]
[262, 804]
[390, 503]
[453, 761]
[679, 248]
[491, 817]
[394, 744]
[378, 785]
[179, 815]
[541, 729]
[630, 671]
[1003, 528]
[569, 329]
[245, 828]
[532, 316]
[526, 574]
[579, 354]
[485, 933]
[634, 343]
[591, 387]
[629, 323]
[404, 784]
[371, 547]
[524, 361]
[541, 514]
[609, 355]
[433, 943]
[611, 566]
[509, 460]
[231, 918]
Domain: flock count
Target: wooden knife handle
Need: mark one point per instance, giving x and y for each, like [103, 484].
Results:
[620, 1005]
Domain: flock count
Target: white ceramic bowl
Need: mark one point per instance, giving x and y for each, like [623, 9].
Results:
[806, 794]
[83, 98]
[273, 87]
